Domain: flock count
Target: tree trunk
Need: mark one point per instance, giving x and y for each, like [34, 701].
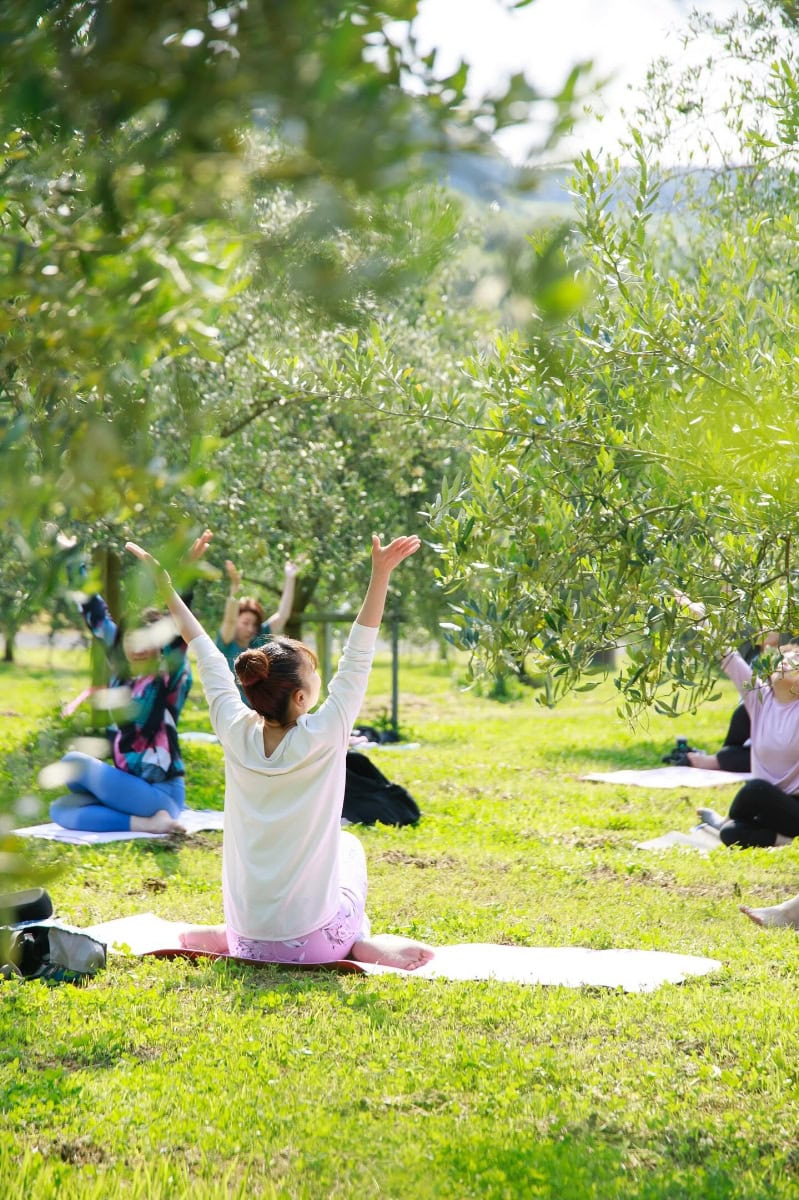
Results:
[304, 589]
[110, 572]
[604, 658]
[8, 652]
[111, 569]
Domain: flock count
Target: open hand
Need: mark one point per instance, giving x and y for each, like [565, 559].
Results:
[386, 558]
[200, 545]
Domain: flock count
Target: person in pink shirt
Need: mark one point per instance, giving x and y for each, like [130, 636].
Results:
[765, 812]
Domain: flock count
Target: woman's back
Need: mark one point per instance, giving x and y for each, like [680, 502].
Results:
[283, 810]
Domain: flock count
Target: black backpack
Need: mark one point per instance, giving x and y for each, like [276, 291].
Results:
[370, 797]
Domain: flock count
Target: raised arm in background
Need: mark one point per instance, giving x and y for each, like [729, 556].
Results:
[227, 630]
[277, 621]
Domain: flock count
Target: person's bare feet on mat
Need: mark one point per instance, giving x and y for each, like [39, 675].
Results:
[211, 939]
[160, 822]
[389, 950]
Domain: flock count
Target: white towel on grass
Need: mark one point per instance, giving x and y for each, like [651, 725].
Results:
[668, 777]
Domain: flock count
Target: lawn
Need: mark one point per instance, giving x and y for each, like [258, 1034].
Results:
[166, 1079]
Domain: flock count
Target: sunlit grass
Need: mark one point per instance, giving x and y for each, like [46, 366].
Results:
[174, 1079]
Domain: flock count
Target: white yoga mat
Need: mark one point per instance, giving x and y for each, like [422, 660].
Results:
[366, 747]
[702, 837]
[668, 777]
[193, 821]
[565, 966]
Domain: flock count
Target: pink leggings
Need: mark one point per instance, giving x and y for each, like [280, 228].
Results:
[334, 940]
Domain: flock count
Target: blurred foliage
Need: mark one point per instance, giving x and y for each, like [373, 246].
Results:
[220, 242]
[646, 445]
[166, 168]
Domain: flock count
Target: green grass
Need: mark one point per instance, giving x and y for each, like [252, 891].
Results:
[166, 1079]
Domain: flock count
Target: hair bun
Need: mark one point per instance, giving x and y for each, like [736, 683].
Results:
[252, 665]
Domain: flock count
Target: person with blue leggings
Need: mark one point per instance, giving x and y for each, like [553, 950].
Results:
[105, 799]
[144, 791]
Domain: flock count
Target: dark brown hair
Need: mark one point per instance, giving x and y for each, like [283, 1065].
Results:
[250, 604]
[270, 674]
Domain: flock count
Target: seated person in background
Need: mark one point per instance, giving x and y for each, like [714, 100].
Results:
[245, 624]
[144, 791]
[765, 812]
[735, 754]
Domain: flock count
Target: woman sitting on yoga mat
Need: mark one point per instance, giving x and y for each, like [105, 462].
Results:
[144, 791]
[293, 884]
[765, 812]
[735, 755]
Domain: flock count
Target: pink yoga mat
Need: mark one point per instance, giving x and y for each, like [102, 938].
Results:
[345, 965]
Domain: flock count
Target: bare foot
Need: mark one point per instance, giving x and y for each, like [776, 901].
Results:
[159, 822]
[776, 915]
[707, 762]
[210, 938]
[754, 914]
[391, 951]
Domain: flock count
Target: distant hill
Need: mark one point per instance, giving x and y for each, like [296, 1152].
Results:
[494, 180]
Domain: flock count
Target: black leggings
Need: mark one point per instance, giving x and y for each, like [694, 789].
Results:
[758, 813]
[734, 755]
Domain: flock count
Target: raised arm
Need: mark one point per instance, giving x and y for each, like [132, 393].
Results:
[93, 607]
[278, 619]
[188, 625]
[227, 629]
[694, 607]
[384, 560]
[732, 663]
[348, 687]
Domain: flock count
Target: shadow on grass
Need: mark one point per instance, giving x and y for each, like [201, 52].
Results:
[581, 1165]
[269, 987]
[641, 756]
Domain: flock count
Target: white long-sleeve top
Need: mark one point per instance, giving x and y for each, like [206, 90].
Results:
[280, 873]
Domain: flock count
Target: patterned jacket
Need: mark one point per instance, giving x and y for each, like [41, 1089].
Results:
[145, 736]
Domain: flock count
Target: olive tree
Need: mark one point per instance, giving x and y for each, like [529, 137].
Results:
[645, 446]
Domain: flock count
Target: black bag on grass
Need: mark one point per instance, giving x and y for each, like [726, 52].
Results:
[35, 946]
[34, 904]
[49, 951]
[370, 797]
